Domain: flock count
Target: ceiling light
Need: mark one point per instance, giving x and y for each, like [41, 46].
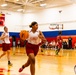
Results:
[17, 0]
[20, 10]
[42, 5]
[3, 5]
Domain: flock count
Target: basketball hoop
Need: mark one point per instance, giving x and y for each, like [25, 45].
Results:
[56, 26]
[52, 28]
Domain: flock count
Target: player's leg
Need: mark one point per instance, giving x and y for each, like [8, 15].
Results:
[4, 52]
[25, 65]
[8, 57]
[32, 63]
[3, 49]
[8, 54]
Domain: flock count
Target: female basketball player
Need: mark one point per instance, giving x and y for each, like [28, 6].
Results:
[58, 45]
[6, 44]
[32, 46]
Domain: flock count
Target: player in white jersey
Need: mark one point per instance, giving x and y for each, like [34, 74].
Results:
[6, 44]
[35, 39]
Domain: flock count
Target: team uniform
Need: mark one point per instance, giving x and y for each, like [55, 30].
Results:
[6, 42]
[34, 40]
[33, 43]
[58, 46]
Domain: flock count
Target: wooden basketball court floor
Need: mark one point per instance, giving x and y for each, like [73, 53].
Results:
[47, 63]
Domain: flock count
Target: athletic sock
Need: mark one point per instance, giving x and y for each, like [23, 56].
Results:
[23, 66]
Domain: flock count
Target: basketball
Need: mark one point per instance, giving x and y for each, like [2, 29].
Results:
[24, 35]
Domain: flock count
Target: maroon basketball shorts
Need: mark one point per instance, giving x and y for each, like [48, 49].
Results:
[5, 47]
[31, 48]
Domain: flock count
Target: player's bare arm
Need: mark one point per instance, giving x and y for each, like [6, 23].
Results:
[42, 37]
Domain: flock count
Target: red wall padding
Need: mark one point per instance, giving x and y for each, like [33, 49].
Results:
[73, 39]
[48, 39]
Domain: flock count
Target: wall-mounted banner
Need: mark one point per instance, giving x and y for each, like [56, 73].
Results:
[2, 19]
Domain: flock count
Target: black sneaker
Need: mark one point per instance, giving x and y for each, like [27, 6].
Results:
[9, 63]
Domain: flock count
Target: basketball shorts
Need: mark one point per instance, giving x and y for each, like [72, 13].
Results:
[5, 47]
[31, 48]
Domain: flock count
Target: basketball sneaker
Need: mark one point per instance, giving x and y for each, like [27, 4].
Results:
[21, 69]
[9, 63]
